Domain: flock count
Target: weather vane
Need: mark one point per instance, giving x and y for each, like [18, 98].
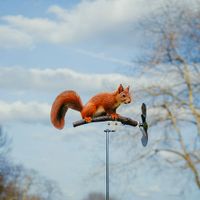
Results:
[101, 107]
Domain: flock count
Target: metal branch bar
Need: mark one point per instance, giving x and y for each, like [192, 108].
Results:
[123, 120]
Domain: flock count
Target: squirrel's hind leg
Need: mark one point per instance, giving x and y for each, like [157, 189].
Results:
[88, 112]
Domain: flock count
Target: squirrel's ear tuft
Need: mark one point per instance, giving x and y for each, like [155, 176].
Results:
[120, 88]
[127, 89]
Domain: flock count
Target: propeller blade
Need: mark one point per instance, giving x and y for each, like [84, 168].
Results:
[143, 118]
[144, 138]
[144, 110]
[144, 125]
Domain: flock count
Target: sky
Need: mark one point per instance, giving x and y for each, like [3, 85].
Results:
[48, 46]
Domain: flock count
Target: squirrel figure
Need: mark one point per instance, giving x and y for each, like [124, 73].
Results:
[99, 105]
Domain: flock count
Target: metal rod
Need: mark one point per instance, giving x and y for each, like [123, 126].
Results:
[107, 165]
[107, 131]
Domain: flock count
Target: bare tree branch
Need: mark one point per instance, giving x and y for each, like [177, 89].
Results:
[174, 51]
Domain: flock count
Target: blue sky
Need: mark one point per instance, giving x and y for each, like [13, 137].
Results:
[47, 46]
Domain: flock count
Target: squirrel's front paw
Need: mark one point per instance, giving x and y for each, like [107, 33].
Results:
[114, 116]
[88, 119]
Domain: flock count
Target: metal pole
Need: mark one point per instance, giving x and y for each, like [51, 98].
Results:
[107, 131]
[107, 165]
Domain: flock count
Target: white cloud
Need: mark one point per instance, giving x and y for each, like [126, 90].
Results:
[51, 80]
[39, 29]
[86, 20]
[31, 112]
[54, 80]
[113, 19]
[10, 37]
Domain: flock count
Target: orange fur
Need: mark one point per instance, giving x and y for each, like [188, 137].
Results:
[100, 104]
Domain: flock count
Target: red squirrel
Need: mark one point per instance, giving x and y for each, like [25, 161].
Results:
[98, 105]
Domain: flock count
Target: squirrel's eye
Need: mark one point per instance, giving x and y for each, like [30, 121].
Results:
[123, 95]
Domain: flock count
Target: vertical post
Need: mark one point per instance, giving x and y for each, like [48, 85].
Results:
[107, 131]
[107, 165]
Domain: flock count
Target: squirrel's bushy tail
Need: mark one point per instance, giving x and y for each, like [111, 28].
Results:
[65, 100]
